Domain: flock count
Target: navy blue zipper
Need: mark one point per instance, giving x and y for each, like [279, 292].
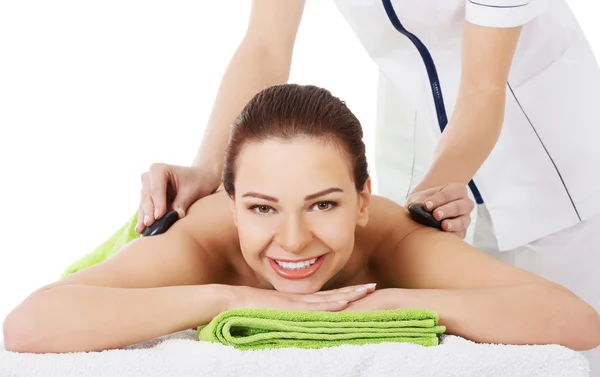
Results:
[434, 81]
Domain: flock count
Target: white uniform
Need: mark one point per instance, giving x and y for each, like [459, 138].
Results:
[541, 183]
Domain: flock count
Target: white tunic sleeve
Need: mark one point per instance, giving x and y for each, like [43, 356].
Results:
[503, 13]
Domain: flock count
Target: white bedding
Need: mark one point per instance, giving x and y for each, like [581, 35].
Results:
[181, 354]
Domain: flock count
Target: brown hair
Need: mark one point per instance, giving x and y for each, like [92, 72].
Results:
[290, 111]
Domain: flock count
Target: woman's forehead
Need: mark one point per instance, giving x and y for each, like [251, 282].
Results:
[301, 164]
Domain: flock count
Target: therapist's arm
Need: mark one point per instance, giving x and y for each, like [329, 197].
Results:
[262, 59]
[474, 128]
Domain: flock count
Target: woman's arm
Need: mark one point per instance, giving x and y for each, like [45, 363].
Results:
[154, 286]
[479, 297]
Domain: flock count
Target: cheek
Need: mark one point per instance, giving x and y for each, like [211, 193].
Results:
[254, 232]
[337, 229]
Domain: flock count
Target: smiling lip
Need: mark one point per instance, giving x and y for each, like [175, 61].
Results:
[293, 260]
[298, 273]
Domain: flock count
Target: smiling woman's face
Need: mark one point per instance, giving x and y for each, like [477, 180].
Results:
[296, 208]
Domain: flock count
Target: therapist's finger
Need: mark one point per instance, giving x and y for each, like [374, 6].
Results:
[144, 192]
[461, 234]
[445, 195]
[158, 178]
[461, 207]
[139, 226]
[420, 196]
[148, 206]
[456, 225]
[146, 203]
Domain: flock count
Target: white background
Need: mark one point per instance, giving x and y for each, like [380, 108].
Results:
[92, 93]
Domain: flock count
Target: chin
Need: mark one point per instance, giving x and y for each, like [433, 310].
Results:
[304, 286]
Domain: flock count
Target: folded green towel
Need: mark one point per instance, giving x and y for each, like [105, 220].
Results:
[107, 249]
[269, 328]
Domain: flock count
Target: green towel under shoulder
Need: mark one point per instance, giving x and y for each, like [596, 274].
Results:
[270, 328]
[107, 249]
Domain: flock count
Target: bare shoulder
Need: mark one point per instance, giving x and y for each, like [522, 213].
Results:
[184, 255]
[410, 255]
[389, 223]
[210, 223]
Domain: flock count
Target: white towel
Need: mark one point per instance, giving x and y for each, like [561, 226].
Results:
[181, 354]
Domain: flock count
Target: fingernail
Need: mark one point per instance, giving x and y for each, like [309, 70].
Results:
[156, 214]
[415, 200]
[440, 214]
[428, 204]
[449, 226]
[361, 289]
[371, 285]
[146, 218]
[342, 302]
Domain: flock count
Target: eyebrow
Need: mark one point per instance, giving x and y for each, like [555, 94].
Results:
[307, 197]
[323, 193]
[253, 194]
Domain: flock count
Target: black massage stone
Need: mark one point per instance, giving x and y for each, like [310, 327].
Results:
[424, 217]
[161, 225]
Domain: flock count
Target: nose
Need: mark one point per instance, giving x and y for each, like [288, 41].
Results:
[293, 234]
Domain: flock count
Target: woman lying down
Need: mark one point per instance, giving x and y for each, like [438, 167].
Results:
[296, 228]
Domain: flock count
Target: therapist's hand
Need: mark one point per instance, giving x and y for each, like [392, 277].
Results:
[172, 187]
[449, 203]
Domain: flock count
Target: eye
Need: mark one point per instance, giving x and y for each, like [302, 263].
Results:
[261, 209]
[323, 206]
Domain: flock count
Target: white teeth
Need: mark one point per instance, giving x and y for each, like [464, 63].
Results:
[296, 265]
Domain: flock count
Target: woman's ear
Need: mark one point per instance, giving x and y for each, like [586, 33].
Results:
[364, 200]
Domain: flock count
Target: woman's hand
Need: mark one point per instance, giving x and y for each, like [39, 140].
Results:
[381, 299]
[449, 203]
[172, 187]
[332, 301]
